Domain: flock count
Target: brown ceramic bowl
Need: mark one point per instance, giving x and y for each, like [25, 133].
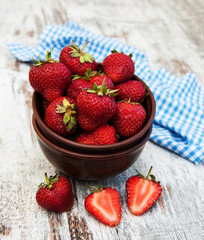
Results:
[150, 108]
[95, 166]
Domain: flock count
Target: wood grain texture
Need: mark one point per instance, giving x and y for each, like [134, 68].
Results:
[171, 33]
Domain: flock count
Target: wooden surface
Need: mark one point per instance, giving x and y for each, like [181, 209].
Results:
[172, 35]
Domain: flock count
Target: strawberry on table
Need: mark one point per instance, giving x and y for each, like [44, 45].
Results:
[61, 116]
[95, 107]
[142, 192]
[129, 118]
[50, 78]
[118, 66]
[104, 204]
[76, 59]
[105, 134]
[131, 89]
[56, 194]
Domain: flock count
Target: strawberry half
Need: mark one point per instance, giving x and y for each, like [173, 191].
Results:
[142, 192]
[56, 195]
[104, 204]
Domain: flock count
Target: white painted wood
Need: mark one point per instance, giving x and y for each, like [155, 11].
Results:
[171, 34]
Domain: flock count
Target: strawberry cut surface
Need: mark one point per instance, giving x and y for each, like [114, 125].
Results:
[141, 194]
[105, 206]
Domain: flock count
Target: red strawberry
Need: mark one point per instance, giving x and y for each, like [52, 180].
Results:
[131, 89]
[45, 104]
[76, 86]
[104, 204]
[95, 107]
[142, 193]
[56, 195]
[50, 78]
[77, 60]
[87, 81]
[105, 134]
[118, 66]
[60, 116]
[129, 118]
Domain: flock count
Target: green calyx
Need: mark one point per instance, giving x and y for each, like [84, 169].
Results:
[102, 90]
[88, 74]
[129, 101]
[77, 52]
[70, 113]
[149, 176]
[96, 189]
[49, 181]
[115, 51]
[48, 59]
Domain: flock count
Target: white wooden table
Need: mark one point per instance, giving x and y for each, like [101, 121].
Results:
[172, 35]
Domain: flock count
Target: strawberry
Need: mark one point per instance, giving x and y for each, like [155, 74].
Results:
[60, 116]
[129, 118]
[56, 195]
[142, 192]
[77, 60]
[95, 107]
[105, 134]
[87, 81]
[50, 78]
[76, 86]
[118, 66]
[131, 89]
[104, 204]
[44, 104]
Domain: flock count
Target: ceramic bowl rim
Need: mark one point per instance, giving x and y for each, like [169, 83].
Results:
[82, 155]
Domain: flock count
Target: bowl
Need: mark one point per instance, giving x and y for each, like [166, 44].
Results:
[149, 105]
[86, 166]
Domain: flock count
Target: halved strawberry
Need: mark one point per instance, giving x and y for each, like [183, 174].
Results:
[142, 192]
[104, 204]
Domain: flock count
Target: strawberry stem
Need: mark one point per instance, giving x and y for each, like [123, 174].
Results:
[82, 50]
[148, 175]
[47, 180]
[101, 91]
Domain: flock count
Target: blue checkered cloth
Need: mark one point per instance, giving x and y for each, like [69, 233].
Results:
[179, 120]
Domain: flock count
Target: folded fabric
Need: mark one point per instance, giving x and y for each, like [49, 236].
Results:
[179, 120]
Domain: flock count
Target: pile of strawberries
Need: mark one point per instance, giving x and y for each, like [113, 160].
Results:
[96, 104]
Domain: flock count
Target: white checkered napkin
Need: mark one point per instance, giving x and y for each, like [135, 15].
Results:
[179, 120]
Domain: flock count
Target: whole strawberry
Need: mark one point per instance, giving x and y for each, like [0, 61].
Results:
[142, 192]
[95, 107]
[87, 81]
[50, 78]
[104, 205]
[56, 195]
[61, 116]
[76, 86]
[129, 118]
[44, 105]
[131, 89]
[77, 60]
[105, 134]
[118, 66]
